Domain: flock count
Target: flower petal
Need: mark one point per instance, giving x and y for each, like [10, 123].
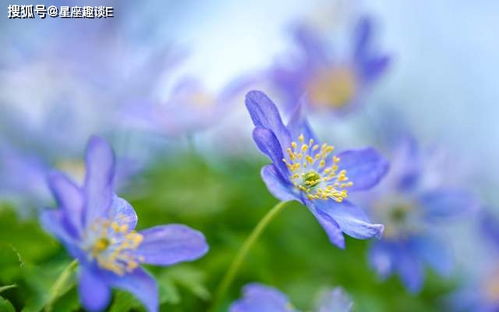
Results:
[140, 283]
[409, 267]
[373, 68]
[399, 256]
[298, 123]
[362, 37]
[280, 188]
[233, 89]
[98, 189]
[365, 167]
[490, 227]
[265, 114]
[447, 203]
[435, 254]
[53, 221]
[312, 45]
[94, 292]
[69, 198]
[406, 162]
[122, 212]
[261, 298]
[336, 300]
[381, 258]
[329, 225]
[269, 145]
[372, 65]
[350, 218]
[170, 244]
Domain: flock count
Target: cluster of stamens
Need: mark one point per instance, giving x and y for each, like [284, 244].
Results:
[313, 173]
[112, 245]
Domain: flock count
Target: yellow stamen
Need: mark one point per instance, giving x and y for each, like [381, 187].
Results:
[311, 173]
[113, 247]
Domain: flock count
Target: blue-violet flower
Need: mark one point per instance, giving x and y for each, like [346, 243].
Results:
[261, 298]
[335, 84]
[306, 170]
[98, 228]
[411, 204]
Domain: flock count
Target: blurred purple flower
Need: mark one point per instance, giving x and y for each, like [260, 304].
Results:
[261, 298]
[22, 178]
[30, 149]
[335, 300]
[27, 152]
[306, 170]
[331, 84]
[88, 72]
[190, 108]
[411, 205]
[481, 290]
[97, 228]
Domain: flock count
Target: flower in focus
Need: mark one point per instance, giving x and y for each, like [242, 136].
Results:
[98, 228]
[413, 206]
[306, 170]
[261, 298]
[330, 83]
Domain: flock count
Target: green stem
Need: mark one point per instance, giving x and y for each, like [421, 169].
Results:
[7, 287]
[243, 252]
[60, 286]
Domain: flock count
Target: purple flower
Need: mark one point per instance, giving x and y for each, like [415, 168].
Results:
[306, 170]
[97, 228]
[23, 178]
[412, 204]
[481, 295]
[29, 150]
[189, 108]
[481, 291]
[261, 298]
[330, 83]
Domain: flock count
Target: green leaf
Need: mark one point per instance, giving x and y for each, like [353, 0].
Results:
[11, 263]
[168, 292]
[68, 302]
[21, 234]
[124, 301]
[62, 285]
[191, 279]
[6, 306]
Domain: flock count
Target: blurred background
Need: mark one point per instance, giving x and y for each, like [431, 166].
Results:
[164, 82]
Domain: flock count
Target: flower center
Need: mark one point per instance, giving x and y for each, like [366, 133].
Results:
[314, 172]
[201, 100]
[491, 286]
[75, 168]
[112, 245]
[312, 178]
[100, 245]
[333, 88]
[400, 215]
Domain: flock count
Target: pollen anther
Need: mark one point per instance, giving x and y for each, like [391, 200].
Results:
[112, 245]
[314, 172]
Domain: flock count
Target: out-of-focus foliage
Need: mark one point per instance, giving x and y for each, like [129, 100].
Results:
[224, 202]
